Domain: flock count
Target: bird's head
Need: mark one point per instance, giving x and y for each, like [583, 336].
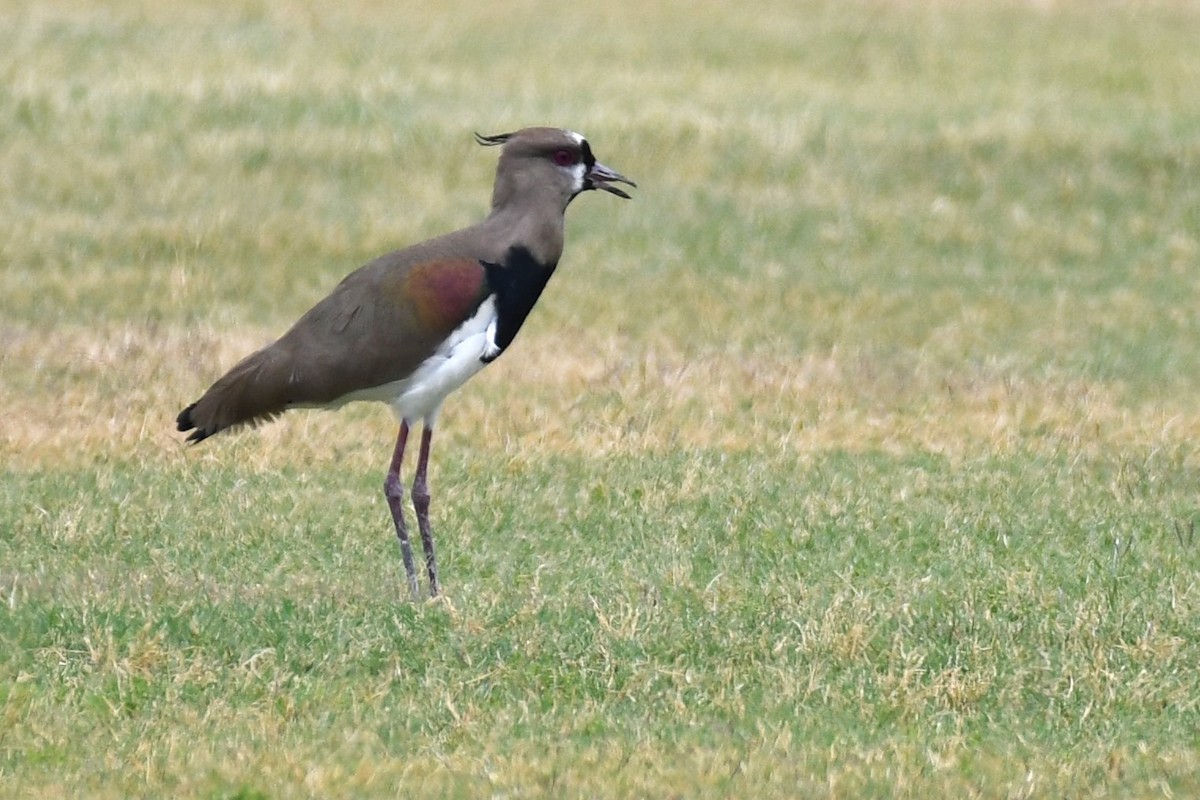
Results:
[539, 161]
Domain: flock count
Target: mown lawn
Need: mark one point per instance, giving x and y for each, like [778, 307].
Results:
[856, 456]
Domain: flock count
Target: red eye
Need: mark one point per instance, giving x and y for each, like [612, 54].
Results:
[564, 158]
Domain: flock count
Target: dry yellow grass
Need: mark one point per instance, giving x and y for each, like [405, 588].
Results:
[114, 392]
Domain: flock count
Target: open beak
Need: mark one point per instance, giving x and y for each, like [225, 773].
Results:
[601, 177]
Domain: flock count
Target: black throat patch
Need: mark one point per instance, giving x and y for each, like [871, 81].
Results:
[517, 283]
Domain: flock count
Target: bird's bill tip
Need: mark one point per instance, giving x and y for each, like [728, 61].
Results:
[603, 178]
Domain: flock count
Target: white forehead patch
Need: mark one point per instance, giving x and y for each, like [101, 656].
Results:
[578, 137]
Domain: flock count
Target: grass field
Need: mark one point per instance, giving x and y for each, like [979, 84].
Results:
[856, 456]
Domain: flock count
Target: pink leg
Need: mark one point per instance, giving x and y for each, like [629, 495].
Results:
[393, 490]
[420, 498]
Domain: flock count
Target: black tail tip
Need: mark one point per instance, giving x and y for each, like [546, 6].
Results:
[184, 423]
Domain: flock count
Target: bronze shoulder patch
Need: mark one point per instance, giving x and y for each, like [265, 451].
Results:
[445, 293]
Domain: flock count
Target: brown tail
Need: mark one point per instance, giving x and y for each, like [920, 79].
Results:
[254, 391]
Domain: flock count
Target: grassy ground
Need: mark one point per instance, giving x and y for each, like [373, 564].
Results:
[854, 457]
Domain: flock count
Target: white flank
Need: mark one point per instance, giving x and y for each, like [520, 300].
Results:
[490, 348]
[420, 395]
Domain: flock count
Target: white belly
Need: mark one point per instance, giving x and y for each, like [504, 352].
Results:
[420, 395]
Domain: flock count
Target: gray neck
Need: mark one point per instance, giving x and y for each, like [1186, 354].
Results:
[535, 226]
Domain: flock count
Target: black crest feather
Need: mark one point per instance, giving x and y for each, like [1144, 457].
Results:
[492, 141]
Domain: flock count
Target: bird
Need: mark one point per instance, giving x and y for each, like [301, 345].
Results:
[411, 326]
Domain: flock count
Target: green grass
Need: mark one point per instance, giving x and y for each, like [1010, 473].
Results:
[854, 457]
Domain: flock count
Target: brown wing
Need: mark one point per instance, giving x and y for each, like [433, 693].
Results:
[376, 327]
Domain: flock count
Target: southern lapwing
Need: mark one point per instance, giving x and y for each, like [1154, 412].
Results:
[412, 326]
